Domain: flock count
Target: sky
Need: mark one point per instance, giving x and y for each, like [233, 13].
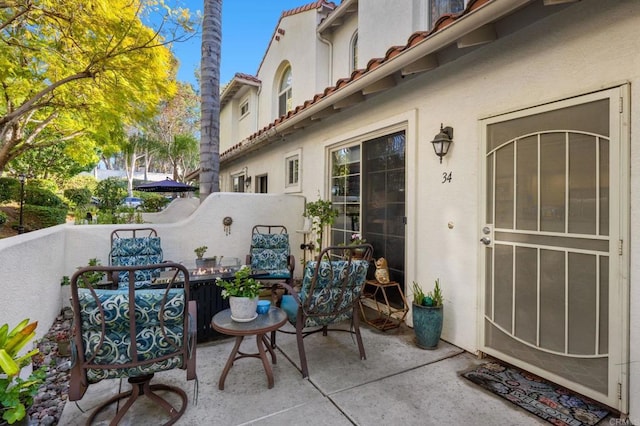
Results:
[247, 27]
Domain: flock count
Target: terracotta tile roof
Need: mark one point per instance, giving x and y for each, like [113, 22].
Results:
[415, 39]
[315, 5]
[230, 89]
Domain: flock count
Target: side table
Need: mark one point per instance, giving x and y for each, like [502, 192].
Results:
[386, 317]
[260, 326]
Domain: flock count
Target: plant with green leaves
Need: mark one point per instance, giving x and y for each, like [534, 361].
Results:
[16, 394]
[432, 299]
[242, 284]
[322, 214]
[418, 294]
[92, 277]
[200, 251]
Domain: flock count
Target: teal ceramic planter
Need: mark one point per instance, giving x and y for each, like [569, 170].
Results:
[427, 325]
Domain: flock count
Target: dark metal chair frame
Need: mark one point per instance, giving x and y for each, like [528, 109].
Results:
[140, 384]
[306, 310]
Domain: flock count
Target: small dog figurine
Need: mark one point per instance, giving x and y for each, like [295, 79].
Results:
[382, 271]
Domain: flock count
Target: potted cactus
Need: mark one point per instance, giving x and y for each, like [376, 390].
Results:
[427, 314]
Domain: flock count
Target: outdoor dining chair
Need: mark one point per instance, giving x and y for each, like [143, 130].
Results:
[136, 246]
[270, 253]
[132, 333]
[329, 294]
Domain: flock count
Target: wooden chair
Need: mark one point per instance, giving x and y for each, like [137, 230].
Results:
[329, 294]
[132, 333]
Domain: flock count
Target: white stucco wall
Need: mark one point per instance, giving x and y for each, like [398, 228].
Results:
[31, 268]
[33, 264]
[341, 38]
[386, 23]
[299, 46]
[589, 46]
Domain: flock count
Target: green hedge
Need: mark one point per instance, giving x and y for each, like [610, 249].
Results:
[3, 218]
[38, 217]
[42, 197]
[79, 196]
[9, 189]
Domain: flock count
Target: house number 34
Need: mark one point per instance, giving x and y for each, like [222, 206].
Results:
[446, 177]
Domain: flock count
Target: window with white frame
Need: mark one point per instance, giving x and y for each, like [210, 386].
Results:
[244, 108]
[285, 101]
[437, 8]
[292, 171]
[354, 52]
[238, 182]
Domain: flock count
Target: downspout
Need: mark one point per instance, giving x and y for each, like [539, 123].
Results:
[330, 46]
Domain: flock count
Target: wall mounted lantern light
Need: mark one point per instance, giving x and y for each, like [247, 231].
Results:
[442, 141]
[247, 181]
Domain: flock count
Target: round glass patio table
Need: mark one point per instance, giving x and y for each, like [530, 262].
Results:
[259, 327]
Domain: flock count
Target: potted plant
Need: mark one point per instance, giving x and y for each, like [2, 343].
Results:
[356, 240]
[204, 262]
[321, 213]
[427, 314]
[243, 293]
[63, 341]
[16, 393]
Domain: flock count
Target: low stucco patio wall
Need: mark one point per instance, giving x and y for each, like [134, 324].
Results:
[33, 264]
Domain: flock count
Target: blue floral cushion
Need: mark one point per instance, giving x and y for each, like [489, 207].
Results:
[152, 339]
[328, 304]
[136, 251]
[270, 253]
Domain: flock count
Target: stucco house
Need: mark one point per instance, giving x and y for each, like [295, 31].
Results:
[529, 221]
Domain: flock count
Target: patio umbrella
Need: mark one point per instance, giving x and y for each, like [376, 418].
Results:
[167, 185]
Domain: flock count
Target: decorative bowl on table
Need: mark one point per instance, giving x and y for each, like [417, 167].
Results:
[263, 306]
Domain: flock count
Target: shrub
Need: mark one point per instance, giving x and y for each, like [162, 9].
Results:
[9, 189]
[39, 217]
[153, 202]
[3, 218]
[47, 184]
[42, 197]
[111, 191]
[79, 196]
[82, 181]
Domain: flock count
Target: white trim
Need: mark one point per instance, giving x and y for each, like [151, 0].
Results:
[296, 186]
[244, 102]
[406, 121]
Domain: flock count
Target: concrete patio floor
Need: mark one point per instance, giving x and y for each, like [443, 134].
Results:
[397, 384]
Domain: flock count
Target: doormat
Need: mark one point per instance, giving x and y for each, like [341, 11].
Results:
[546, 400]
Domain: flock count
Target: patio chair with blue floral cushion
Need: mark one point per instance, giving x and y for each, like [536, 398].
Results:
[329, 294]
[132, 333]
[270, 255]
[136, 246]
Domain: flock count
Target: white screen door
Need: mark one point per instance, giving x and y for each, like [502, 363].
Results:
[551, 263]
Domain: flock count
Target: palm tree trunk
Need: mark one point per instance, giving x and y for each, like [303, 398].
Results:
[210, 98]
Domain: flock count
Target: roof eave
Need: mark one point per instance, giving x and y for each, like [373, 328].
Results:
[488, 12]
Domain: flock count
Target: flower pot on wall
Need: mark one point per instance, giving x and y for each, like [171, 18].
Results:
[243, 309]
[427, 325]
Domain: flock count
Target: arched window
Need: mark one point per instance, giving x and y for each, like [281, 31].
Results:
[285, 102]
[354, 52]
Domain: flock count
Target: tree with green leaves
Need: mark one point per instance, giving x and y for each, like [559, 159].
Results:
[72, 71]
[210, 98]
[174, 129]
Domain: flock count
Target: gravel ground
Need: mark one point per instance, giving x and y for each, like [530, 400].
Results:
[52, 396]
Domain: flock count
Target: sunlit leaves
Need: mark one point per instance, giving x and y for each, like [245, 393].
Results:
[92, 65]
